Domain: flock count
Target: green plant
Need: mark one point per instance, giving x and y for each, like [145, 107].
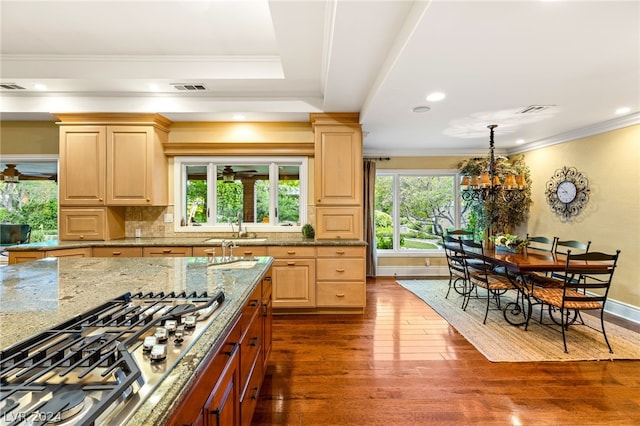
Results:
[308, 231]
[499, 215]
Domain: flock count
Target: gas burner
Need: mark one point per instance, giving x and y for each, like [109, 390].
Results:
[62, 406]
[97, 367]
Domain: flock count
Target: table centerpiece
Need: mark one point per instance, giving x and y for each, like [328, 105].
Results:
[510, 243]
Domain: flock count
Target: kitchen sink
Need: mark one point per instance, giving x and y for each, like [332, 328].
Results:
[236, 240]
[239, 264]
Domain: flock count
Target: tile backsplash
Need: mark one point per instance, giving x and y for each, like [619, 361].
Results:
[150, 222]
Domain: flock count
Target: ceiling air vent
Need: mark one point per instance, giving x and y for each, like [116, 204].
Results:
[532, 109]
[194, 87]
[11, 86]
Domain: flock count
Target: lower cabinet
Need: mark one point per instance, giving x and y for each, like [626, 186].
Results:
[214, 397]
[117, 252]
[293, 283]
[27, 256]
[341, 277]
[166, 251]
[226, 389]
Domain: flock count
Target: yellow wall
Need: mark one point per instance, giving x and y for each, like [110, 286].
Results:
[28, 137]
[611, 219]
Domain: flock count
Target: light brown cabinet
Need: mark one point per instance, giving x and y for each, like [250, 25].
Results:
[338, 176]
[27, 256]
[293, 276]
[341, 277]
[113, 162]
[91, 223]
[117, 252]
[166, 251]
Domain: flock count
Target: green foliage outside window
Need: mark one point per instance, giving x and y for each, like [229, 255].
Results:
[33, 203]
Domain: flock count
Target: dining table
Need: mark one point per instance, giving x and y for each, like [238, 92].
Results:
[518, 266]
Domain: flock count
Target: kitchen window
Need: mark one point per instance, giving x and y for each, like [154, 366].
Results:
[413, 208]
[263, 193]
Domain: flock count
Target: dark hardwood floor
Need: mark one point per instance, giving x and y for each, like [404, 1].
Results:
[399, 363]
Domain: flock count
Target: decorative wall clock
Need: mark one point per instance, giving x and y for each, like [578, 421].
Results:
[567, 192]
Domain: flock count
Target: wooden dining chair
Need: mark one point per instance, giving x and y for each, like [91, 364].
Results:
[458, 279]
[480, 273]
[584, 288]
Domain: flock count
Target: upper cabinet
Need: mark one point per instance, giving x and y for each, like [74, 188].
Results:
[338, 159]
[338, 175]
[113, 160]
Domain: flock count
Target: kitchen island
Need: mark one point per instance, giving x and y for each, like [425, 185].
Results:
[39, 295]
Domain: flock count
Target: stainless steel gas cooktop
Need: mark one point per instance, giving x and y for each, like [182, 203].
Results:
[98, 367]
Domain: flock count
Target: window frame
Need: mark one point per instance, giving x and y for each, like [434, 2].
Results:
[179, 179]
[396, 174]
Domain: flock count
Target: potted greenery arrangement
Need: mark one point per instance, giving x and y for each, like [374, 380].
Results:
[498, 216]
[308, 231]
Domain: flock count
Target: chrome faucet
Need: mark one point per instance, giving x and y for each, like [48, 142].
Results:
[230, 245]
[241, 233]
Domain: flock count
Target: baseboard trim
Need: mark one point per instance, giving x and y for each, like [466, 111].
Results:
[613, 307]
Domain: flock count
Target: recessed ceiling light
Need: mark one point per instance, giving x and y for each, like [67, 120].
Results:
[154, 87]
[519, 141]
[39, 86]
[436, 96]
[422, 108]
[623, 110]
[238, 117]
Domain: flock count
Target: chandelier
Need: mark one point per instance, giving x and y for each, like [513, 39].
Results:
[489, 184]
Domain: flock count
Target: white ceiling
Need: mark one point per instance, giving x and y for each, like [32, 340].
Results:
[280, 60]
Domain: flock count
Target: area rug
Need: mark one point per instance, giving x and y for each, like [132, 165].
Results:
[499, 341]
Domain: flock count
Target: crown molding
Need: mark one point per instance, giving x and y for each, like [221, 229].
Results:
[583, 132]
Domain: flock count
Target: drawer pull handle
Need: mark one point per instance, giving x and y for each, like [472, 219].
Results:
[116, 253]
[291, 252]
[254, 341]
[339, 251]
[291, 263]
[255, 393]
[339, 294]
[248, 253]
[232, 351]
[254, 302]
[339, 269]
[166, 250]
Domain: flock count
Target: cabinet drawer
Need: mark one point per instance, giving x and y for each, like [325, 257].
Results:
[284, 252]
[249, 310]
[72, 252]
[341, 294]
[340, 251]
[250, 349]
[166, 251]
[347, 269]
[245, 251]
[249, 399]
[117, 252]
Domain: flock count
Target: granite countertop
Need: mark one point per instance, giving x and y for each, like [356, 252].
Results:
[40, 294]
[182, 242]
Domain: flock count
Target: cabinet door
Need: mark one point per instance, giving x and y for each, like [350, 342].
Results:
[293, 283]
[166, 251]
[338, 162]
[24, 256]
[339, 223]
[223, 406]
[82, 165]
[129, 165]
